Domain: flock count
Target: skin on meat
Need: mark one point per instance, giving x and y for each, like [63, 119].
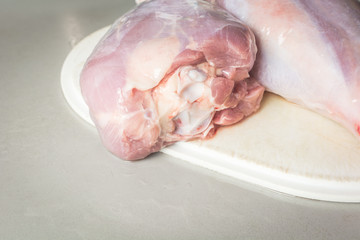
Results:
[169, 71]
[309, 52]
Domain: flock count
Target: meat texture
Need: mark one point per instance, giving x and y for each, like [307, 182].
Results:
[309, 52]
[169, 71]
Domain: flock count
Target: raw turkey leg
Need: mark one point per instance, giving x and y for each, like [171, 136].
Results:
[169, 71]
[309, 52]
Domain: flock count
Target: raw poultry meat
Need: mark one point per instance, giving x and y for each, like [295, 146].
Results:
[309, 52]
[169, 71]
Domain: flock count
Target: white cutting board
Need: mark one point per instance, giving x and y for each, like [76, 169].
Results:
[283, 147]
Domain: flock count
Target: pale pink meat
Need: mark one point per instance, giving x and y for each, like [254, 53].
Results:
[309, 52]
[169, 71]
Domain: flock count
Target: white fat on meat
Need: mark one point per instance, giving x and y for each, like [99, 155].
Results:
[190, 110]
[149, 62]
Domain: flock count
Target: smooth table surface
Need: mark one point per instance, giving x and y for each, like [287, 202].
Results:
[58, 182]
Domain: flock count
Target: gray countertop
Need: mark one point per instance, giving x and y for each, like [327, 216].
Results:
[58, 182]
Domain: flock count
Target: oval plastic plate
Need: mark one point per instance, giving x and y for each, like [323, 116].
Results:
[282, 147]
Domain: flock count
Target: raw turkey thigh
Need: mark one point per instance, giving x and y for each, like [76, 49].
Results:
[169, 71]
